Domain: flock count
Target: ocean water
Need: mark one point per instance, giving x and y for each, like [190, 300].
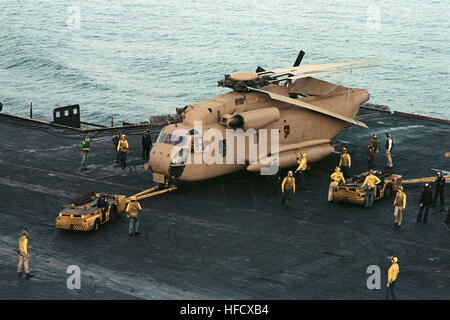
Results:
[133, 59]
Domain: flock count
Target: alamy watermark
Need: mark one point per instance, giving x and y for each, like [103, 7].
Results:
[373, 21]
[374, 280]
[74, 280]
[73, 17]
[220, 149]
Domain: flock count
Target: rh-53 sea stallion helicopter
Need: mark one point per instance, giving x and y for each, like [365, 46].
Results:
[304, 112]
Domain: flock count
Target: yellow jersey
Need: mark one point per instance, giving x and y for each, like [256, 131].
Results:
[371, 180]
[122, 146]
[133, 208]
[400, 200]
[393, 272]
[337, 177]
[288, 184]
[301, 165]
[346, 161]
[23, 244]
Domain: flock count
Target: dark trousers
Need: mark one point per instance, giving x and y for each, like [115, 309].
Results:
[369, 197]
[345, 172]
[301, 179]
[390, 291]
[146, 152]
[425, 217]
[117, 153]
[439, 194]
[287, 194]
[123, 159]
[271, 185]
[104, 214]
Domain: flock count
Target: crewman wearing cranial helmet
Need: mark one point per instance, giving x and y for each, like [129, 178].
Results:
[123, 149]
[399, 207]
[335, 179]
[302, 165]
[132, 211]
[392, 277]
[345, 163]
[426, 200]
[288, 188]
[23, 253]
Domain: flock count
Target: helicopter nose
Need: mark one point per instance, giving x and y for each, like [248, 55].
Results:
[159, 160]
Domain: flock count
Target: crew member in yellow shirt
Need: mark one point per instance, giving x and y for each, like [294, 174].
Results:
[371, 181]
[123, 148]
[288, 188]
[345, 163]
[299, 172]
[23, 254]
[392, 278]
[399, 207]
[132, 211]
[336, 178]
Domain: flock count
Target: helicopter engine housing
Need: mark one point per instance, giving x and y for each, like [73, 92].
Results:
[255, 119]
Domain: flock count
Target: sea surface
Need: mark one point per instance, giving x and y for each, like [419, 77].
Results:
[133, 59]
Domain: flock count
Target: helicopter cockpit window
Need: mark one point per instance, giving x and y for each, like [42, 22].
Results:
[178, 140]
[161, 137]
[171, 139]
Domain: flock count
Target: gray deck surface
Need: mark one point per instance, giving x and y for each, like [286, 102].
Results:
[224, 238]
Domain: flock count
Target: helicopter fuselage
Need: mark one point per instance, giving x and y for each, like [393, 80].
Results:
[208, 142]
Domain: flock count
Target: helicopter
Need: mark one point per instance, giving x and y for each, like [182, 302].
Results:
[299, 112]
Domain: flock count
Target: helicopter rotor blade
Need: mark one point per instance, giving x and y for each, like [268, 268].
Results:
[292, 71]
[309, 106]
[260, 69]
[316, 73]
[299, 59]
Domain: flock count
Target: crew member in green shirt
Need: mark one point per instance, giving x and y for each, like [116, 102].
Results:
[84, 153]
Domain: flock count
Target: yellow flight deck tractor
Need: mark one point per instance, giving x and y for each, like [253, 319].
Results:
[354, 193]
[84, 215]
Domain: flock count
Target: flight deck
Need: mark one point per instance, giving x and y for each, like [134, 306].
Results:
[223, 238]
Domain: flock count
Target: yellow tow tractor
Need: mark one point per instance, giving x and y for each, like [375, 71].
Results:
[424, 180]
[353, 192]
[83, 214]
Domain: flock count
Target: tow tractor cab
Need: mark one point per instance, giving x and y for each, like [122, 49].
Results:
[83, 215]
[353, 192]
